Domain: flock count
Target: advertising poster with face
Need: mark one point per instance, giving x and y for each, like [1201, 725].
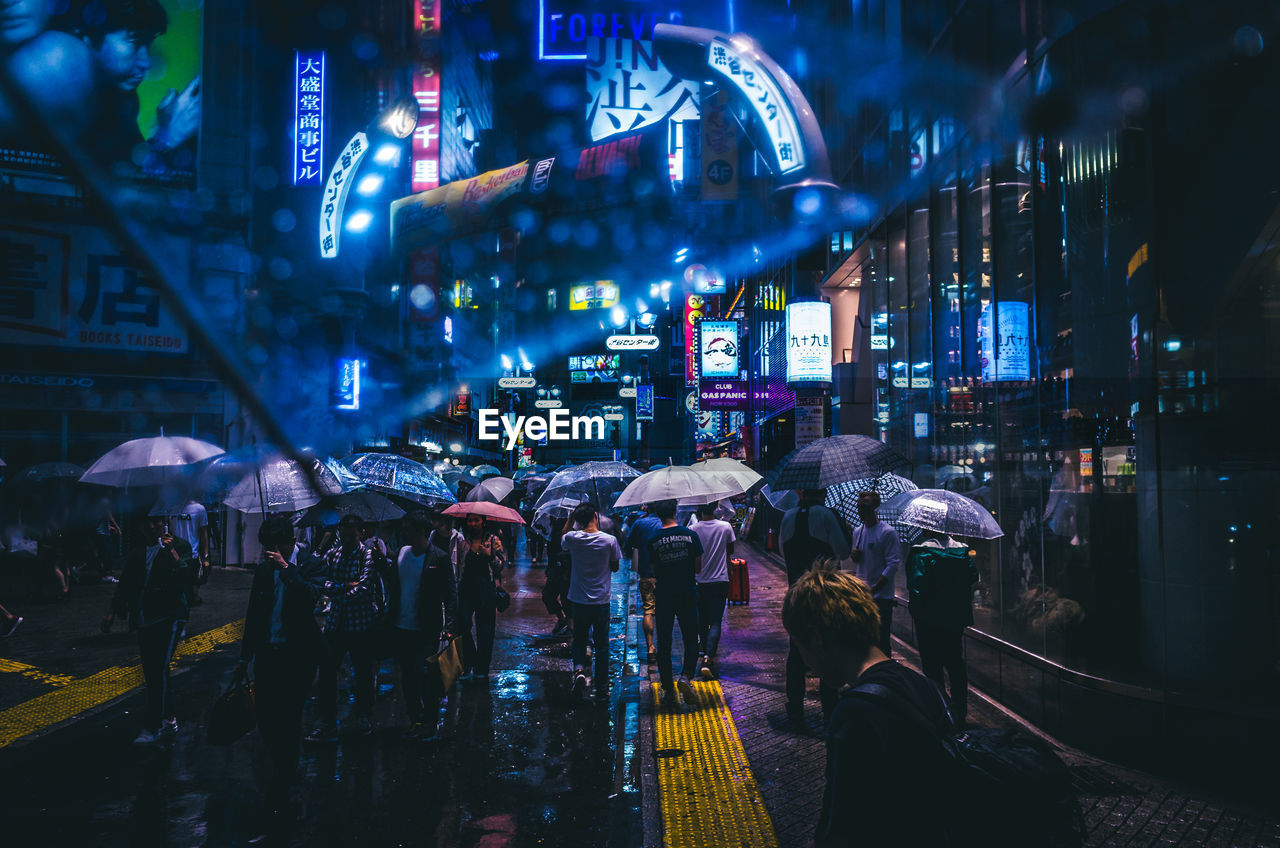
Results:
[118, 78]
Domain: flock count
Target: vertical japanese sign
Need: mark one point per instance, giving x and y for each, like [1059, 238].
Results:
[719, 149]
[810, 420]
[425, 146]
[1005, 341]
[809, 342]
[740, 66]
[694, 310]
[308, 116]
[335, 193]
[644, 402]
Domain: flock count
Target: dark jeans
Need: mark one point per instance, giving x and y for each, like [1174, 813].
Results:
[282, 678]
[477, 652]
[365, 662]
[155, 645]
[886, 624]
[594, 617]
[940, 648]
[796, 669]
[685, 608]
[412, 647]
[711, 600]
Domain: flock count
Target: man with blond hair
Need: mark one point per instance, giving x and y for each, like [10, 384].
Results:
[883, 785]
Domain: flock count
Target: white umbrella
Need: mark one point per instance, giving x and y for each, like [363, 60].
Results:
[738, 470]
[282, 485]
[683, 483]
[493, 490]
[941, 511]
[152, 461]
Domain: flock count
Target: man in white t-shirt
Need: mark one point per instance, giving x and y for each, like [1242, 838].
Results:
[877, 554]
[594, 556]
[716, 536]
[191, 524]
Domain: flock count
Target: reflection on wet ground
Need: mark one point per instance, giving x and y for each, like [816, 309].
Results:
[519, 762]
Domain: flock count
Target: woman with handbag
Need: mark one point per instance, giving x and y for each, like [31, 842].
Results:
[478, 588]
[423, 603]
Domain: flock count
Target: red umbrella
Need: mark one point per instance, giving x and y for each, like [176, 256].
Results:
[491, 511]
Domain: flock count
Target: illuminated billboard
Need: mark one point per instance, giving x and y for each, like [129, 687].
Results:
[809, 342]
[598, 295]
[594, 369]
[718, 348]
[1004, 337]
[308, 116]
[132, 105]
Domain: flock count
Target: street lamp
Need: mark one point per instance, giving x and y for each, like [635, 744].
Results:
[555, 391]
[647, 320]
[618, 316]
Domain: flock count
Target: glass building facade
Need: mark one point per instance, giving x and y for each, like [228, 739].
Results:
[1072, 317]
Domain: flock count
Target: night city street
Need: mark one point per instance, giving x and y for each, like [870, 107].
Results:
[638, 423]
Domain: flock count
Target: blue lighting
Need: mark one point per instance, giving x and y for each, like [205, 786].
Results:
[359, 221]
[347, 391]
[370, 184]
[308, 116]
[387, 154]
[1173, 345]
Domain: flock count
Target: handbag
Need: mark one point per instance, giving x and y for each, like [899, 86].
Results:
[234, 713]
[446, 665]
[501, 599]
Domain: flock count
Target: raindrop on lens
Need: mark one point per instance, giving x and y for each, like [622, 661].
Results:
[1247, 41]
[422, 297]
[266, 178]
[284, 220]
[280, 268]
[365, 48]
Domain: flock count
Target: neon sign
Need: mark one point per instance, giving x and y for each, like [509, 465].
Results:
[738, 64]
[335, 193]
[308, 116]
[809, 342]
[346, 393]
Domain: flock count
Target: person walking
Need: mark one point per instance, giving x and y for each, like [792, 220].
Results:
[283, 643]
[941, 574]
[153, 593]
[595, 555]
[808, 533]
[885, 778]
[354, 591]
[481, 576]
[716, 536]
[676, 555]
[638, 544]
[191, 524]
[878, 555]
[555, 591]
[424, 609]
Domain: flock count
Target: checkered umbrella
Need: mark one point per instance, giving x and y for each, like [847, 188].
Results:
[943, 512]
[837, 459]
[843, 497]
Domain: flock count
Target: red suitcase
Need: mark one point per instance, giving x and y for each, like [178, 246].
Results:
[739, 582]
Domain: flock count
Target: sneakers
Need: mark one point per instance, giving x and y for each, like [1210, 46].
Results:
[705, 669]
[17, 619]
[168, 728]
[324, 733]
[581, 684]
[144, 737]
[561, 627]
[686, 688]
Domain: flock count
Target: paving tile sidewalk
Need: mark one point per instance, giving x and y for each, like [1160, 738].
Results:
[1122, 807]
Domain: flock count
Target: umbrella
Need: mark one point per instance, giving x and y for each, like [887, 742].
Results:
[734, 468]
[152, 461]
[527, 471]
[399, 475]
[564, 467]
[47, 471]
[493, 490]
[943, 512]
[282, 485]
[491, 511]
[598, 483]
[477, 475]
[843, 497]
[837, 459]
[680, 482]
[371, 506]
[784, 500]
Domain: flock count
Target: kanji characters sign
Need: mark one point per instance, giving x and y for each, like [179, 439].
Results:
[335, 193]
[628, 88]
[743, 71]
[308, 116]
[809, 342]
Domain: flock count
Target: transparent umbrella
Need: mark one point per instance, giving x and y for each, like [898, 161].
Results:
[493, 490]
[47, 471]
[598, 483]
[283, 485]
[153, 461]
[837, 459]
[369, 505]
[843, 497]
[683, 483]
[738, 470]
[399, 475]
[783, 500]
[943, 512]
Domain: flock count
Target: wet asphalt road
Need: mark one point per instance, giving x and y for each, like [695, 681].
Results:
[520, 763]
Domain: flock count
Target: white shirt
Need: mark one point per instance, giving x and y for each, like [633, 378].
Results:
[186, 526]
[715, 535]
[410, 567]
[592, 556]
[881, 556]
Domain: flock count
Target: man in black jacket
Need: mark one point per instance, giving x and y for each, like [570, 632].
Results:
[284, 643]
[153, 593]
[422, 601]
[884, 771]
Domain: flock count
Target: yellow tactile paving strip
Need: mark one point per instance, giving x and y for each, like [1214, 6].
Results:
[709, 795]
[75, 696]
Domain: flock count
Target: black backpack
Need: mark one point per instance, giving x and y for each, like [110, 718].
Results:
[1008, 788]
